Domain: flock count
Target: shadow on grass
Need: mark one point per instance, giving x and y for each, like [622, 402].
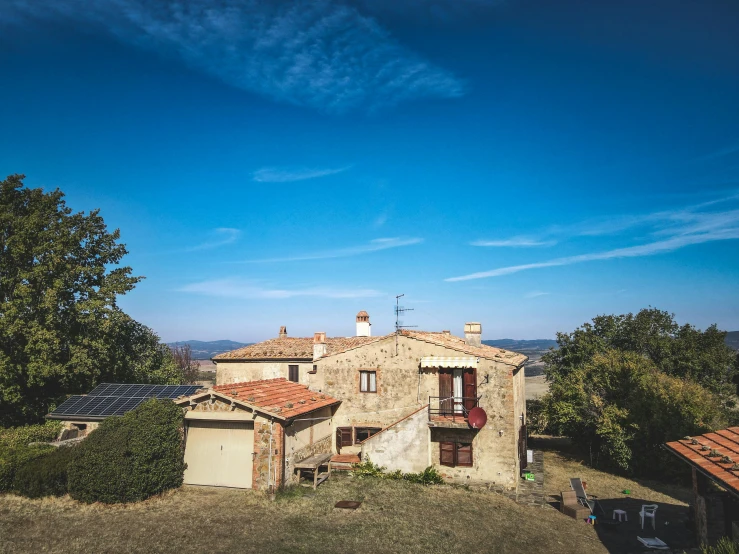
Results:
[678, 488]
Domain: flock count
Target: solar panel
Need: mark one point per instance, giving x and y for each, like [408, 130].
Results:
[116, 399]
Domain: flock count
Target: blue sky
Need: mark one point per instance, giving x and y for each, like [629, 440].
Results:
[527, 164]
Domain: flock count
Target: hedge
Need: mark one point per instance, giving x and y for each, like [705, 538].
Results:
[12, 437]
[45, 475]
[130, 458]
[14, 458]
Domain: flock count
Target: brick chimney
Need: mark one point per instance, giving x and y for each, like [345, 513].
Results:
[473, 334]
[364, 327]
[283, 332]
[319, 345]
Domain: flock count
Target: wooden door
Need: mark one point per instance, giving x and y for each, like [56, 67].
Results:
[343, 437]
[470, 389]
[219, 453]
[446, 392]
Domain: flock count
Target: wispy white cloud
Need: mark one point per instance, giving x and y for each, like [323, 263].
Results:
[287, 175]
[219, 237]
[514, 242]
[372, 246]
[319, 54]
[242, 289]
[535, 294]
[728, 151]
[670, 231]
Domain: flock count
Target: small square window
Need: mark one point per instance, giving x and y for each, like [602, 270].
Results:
[363, 433]
[293, 373]
[455, 454]
[367, 381]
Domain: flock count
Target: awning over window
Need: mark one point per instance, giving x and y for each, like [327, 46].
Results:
[444, 361]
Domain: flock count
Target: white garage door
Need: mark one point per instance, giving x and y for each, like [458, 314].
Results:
[219, 453]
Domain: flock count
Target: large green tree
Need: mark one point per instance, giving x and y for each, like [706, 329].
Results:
[61, 330]
[623, 385]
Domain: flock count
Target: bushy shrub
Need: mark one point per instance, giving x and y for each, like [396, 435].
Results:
[45, 475]
[724, 546]
[12, 437]
[132, 457]
[428, 476]
[367, 468]
[11, 459]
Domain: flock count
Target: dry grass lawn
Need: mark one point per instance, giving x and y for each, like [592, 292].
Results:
[394, 517]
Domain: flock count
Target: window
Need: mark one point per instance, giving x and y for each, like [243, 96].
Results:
[363, 433]
[367, 381]
[455, 454]
[344, 437]
[293, 373]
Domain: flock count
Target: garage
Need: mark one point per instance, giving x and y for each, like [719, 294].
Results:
[219, 453]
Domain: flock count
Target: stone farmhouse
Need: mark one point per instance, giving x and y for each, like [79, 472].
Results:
[406, 400]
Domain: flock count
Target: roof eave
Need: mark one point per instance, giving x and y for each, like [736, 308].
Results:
[709, 475]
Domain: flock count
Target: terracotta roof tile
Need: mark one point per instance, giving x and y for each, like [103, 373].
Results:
[725, 442]
[292, 348]
[459, 344]
[298, 348]
[278, 397]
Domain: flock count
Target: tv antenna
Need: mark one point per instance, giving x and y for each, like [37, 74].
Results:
[399, 310]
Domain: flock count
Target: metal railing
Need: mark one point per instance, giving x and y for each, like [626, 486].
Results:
[453, 408]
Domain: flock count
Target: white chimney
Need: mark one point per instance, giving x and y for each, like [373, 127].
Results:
[283, 332]
[473, 334]
[364, 327]
[319, 345]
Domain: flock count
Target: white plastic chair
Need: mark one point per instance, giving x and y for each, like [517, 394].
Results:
[648, 510]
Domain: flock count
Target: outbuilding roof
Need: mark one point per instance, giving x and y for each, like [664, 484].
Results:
[279, 398]
[714, 454]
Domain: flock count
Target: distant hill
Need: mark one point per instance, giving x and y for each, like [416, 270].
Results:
[522, 346]
[732, 339]
[205, 350]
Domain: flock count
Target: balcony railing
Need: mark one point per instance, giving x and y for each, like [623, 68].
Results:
[452, 408]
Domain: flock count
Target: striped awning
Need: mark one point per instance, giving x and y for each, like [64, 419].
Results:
[448, 361]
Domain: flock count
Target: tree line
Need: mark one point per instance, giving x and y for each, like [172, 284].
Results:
[61, 329]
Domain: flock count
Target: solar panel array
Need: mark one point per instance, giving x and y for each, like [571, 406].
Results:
[109, 399]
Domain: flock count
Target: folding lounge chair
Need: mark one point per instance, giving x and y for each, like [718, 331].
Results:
[582, 497]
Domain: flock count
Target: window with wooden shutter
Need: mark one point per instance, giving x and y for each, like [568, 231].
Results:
[363, 433]
[455, 454]
[447, 454]
[293, 373]
[344, 437]
[464, 455]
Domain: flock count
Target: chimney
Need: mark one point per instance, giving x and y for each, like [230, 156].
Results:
[283, 332]
[319, 345]
[446, 333]
[473, 334]
[363, 325]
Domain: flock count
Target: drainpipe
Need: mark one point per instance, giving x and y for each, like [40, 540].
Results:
[269, 460]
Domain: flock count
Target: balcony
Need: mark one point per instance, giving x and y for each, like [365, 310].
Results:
[451, 412]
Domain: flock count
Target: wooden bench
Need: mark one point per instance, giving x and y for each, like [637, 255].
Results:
[314, 464]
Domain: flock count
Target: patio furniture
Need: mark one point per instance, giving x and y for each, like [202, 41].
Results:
[653, 542]
[314, 464]
[582, 497]
[648, 510]
[570, 506]
[620, 514]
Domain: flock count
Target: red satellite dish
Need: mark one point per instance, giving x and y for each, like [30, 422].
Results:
[477, 418]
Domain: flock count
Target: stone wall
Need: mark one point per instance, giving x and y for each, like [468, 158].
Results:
[239, 372]
[322, 446]
[708, 510]
[262, 466]
[403, 388]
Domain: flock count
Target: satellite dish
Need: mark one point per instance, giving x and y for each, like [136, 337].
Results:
[477, 418]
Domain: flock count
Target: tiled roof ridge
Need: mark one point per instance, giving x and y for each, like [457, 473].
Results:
[482, 351]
